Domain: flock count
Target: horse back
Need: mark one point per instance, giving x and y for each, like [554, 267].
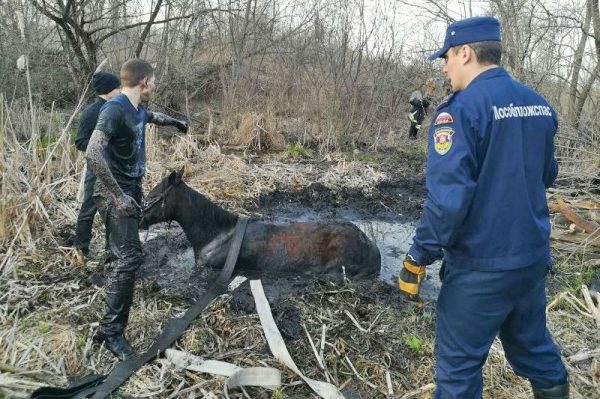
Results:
[313, 247]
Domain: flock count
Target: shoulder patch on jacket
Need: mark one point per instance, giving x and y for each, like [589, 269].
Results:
[442, 140]
[443, 118]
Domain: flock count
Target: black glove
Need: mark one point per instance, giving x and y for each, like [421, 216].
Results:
[160, 119]
[410, 278]
[182, 126]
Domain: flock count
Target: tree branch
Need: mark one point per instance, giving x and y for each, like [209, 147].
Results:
[146, 31]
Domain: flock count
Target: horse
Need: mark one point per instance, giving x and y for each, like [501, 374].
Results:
[333, 248]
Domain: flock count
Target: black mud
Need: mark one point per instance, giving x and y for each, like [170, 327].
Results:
[169, 268]
[390, 198]
[387, 214]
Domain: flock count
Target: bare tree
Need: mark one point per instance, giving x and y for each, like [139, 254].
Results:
[581, 99]
[85, 24]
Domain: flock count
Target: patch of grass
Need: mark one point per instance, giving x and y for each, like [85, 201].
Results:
[412, 310]
[590, 271]
[81, 340]
[586, 276]
[46, 141]
[25, 324]
[297, 151]
[415, 343]
[415, 152]
[33, 268]
[572, 274]
[72, 134]
[331, 359]
[43, 327]
[363, 156]
[277, 394]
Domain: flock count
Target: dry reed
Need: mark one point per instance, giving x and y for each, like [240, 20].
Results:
[48, 315]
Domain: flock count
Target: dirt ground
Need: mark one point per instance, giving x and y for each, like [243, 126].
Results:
[368, 340]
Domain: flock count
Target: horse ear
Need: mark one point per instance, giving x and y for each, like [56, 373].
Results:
[173, 178]
[181, 172]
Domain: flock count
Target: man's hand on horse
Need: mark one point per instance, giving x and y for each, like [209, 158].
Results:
[127, 206]
[182, 126]
[410, 278]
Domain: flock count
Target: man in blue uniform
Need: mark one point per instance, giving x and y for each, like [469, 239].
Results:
[491, 157]
[117, 154]
[106, 86]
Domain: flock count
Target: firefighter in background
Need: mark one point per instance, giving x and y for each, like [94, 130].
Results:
[419, 103]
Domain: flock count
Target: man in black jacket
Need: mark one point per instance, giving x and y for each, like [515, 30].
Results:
[106, 85]
[419, 103]
[117, 154]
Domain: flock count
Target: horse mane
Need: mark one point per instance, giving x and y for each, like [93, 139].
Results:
[214, 217]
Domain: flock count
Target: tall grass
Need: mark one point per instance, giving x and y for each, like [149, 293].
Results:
[39, 171]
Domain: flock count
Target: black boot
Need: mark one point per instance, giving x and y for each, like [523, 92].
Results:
[555, 392]
[119, 297]
[116, 344]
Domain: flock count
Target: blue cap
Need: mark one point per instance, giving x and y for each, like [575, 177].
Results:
[470, 30]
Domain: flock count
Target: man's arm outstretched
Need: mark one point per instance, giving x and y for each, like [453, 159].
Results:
[160, 119]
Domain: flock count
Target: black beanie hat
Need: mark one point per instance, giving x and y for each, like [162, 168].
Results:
[104, 82]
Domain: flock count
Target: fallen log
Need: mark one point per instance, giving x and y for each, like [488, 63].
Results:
[589, 227]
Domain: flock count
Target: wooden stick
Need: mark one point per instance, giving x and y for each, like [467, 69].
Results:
[587, 226]
[360, 377]
[312, 345]
[584, 356]
[590, 304]
[388, 380]
[555, 302]
[419, 391]
[578, 306]
[355, 322]
[322, 349]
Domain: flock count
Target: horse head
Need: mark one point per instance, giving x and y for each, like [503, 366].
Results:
[161, 201]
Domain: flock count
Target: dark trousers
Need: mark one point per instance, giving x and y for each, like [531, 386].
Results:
[416, 116]
[413, 130]
[124, 257]
[473, 307]
[85, 219]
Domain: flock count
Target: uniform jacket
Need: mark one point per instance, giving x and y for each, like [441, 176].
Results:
[491, 158]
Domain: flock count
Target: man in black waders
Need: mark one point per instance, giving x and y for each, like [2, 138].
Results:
[117, 155]
[106, 86]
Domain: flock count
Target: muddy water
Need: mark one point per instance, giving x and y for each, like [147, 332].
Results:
[393, 235]
[170, 259]
[394, 240]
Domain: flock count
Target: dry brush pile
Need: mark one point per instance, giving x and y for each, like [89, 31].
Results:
[363, 339]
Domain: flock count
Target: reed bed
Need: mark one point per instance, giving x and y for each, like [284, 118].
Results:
[366, 339]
